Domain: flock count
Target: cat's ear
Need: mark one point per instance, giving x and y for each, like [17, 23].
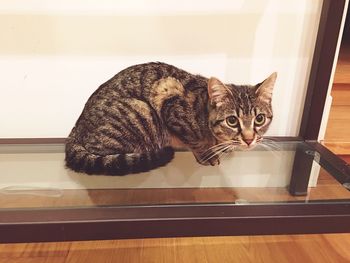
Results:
[264, 90]
[217, 91]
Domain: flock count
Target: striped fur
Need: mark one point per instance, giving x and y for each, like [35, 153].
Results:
[130, 123]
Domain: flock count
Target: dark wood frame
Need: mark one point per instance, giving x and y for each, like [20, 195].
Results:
[65, 224]
[172, 221]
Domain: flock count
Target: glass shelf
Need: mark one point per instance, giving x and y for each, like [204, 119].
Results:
[34, 176]
[289, 187]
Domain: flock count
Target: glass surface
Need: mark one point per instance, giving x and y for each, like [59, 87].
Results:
[34, 176]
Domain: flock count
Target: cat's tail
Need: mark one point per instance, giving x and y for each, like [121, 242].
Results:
[80, 160]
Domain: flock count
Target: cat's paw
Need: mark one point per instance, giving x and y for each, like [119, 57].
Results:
[212, 161]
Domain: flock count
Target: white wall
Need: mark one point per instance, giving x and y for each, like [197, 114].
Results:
[54, 54]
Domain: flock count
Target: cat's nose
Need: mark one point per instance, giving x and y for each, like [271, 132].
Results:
[248, 141]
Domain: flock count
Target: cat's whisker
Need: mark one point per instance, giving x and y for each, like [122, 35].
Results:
[259, 140]
[213, 149]
[228, 143]
[203, 160]
[225, 154]
[210, 155]
[275, 153]
[269, 140]
[220, 144]
[215, 153]
[217, 147]
[272, 145]
[270, 148]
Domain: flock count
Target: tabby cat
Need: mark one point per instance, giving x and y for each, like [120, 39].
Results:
[133, 122]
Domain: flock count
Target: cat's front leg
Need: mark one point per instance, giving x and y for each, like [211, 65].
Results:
[203, 160]
[205, 155]
[183, 123]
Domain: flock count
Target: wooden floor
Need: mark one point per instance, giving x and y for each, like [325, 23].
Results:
[337, 137]
[255, 249]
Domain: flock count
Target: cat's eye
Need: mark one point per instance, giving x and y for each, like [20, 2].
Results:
[259, 120]
[232, 121]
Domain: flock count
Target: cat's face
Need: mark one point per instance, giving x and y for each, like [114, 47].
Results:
[241, 114]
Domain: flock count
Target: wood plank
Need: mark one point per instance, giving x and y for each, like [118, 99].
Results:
[342, 148]
[342, 73]
[54, 252]
[35, 250]
[337, 137]
[341, 113]
[284, 248]
[338, 131]
[34, 260]
[341, 95]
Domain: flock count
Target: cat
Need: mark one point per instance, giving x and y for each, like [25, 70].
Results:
[133, 122]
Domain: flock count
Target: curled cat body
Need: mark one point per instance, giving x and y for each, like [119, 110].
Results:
[133, 122]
